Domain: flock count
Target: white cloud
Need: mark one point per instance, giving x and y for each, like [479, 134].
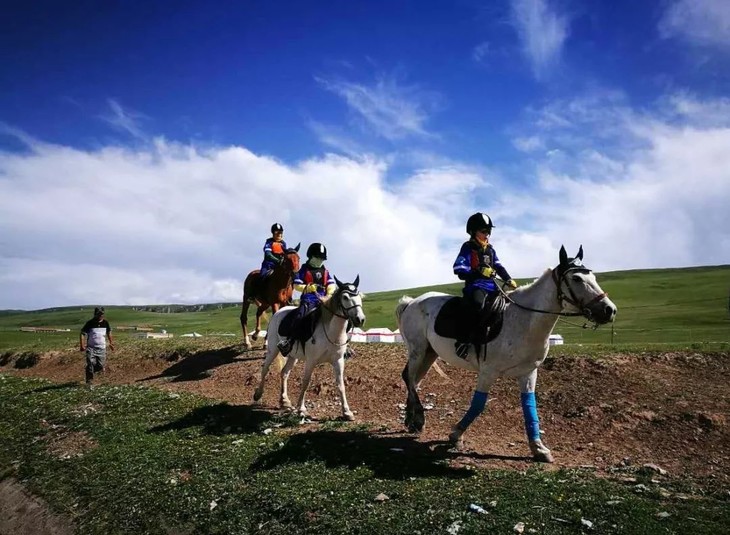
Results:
[167, 222]
[175, 223]
[389, 108]
[542, 31]
[702, 22]
[656, 198]
[124, 119]
[480, 51]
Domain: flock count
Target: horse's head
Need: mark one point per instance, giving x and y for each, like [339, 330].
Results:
[291, 258]
[348, 299]
[578, 290]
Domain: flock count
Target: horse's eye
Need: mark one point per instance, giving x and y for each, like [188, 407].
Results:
[576, 278]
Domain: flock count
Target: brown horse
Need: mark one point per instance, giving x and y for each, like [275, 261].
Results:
[274, 291]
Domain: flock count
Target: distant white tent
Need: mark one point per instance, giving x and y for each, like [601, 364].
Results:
[192, 335]
[358, 335]
[397, 337]
[555, 340]
[379, 334]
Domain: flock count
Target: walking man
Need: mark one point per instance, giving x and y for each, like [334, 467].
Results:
[92, 339]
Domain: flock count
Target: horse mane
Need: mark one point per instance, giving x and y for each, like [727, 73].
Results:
[546, 274]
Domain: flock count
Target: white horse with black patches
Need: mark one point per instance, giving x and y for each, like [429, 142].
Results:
[529, 318]
[327, 344]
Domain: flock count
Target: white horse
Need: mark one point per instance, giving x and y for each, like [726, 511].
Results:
[327, 344]
[529, 318]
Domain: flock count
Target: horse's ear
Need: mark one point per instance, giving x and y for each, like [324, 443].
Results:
[339, 284]
[297, 247]
[563, 256]
[579, 256]
[357, 281]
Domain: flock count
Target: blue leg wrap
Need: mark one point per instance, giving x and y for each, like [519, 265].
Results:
[475, 409]
[529, 410]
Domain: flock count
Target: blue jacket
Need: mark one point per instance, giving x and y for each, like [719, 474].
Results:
[320, 277]
[471, 259]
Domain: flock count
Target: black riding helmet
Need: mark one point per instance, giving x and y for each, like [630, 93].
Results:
[479, 221]
[318, 250]
[276, 227]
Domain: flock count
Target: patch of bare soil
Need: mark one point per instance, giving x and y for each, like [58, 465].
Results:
[23, 514]
[610, 415]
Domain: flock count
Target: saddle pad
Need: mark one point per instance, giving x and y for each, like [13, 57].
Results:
[457, 320]
[302, 331]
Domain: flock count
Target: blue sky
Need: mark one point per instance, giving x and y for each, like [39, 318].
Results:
[162, 126]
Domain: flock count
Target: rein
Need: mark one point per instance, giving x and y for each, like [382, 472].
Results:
[334, 313]
[573, 300]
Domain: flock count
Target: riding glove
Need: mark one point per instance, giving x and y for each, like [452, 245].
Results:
[310, 288]
[512, 284]
[487, 271]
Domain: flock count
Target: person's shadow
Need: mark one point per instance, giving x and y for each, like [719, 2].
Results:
[199, 365]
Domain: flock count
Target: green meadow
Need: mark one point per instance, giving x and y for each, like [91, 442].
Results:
[662, 306]
[133, 459]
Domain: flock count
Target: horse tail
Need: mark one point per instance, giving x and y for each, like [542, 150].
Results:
[402, 304]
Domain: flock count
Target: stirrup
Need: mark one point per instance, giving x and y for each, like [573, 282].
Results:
[462, 349]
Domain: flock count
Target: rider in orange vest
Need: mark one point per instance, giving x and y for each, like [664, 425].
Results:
[274, 250]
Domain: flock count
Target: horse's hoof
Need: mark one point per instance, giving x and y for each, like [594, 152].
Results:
[349, 416]
[254, 337]
[413, 428]
[419, 421]
[257, 395]
[456, 441]
[543, 457]
[286, 404]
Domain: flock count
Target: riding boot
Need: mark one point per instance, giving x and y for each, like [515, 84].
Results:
[284, 346]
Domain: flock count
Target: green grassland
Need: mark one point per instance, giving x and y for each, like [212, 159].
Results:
[123, 459]
[131, 459]
[662, 306]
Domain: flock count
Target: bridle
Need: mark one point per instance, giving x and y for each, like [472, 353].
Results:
[559, 277]
[339, 306]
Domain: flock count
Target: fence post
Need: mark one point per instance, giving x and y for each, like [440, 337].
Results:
[613, 328]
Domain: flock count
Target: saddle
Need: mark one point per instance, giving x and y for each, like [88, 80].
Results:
[457, 319]
[301, 331]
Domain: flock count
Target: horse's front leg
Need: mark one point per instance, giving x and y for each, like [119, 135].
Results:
[244, 323]
[540, 452]
[478, 402]
[259, 312]
[284, 402]
[339, 368]
[309, 365]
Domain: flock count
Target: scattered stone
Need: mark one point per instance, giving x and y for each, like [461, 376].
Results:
[655, 468]
[519, 527]
[663, 515]
[213, 505]
[587, 523]
[454, 528]
[428, 407]
[267, 431]
[381, 497]
[613, 502]
[474, 508]
[641, 488]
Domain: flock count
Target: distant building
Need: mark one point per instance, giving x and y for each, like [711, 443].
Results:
[144, 335]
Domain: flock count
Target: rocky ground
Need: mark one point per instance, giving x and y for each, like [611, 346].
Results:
[609, 415]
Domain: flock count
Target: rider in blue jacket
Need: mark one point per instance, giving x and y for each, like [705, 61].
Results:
[477, 264]
[274, 250]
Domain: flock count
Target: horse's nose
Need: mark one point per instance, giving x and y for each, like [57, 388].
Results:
[610, 312]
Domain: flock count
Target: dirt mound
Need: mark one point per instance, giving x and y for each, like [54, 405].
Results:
[612, 414]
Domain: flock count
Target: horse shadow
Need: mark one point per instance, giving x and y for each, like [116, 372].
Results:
[198, 365]
[388, 457]
[221, 419]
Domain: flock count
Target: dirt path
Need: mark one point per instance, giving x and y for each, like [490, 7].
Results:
[609, 415]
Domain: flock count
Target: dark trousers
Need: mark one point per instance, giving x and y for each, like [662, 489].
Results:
[95, 361]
